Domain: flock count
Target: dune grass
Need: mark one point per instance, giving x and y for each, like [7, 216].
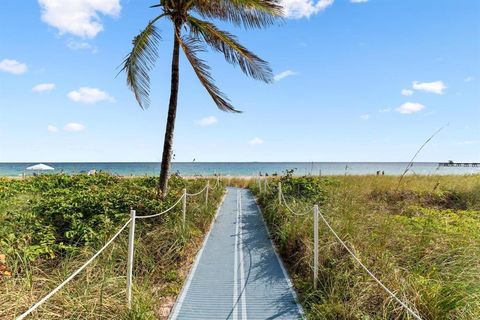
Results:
[422, 239]
[50, 225]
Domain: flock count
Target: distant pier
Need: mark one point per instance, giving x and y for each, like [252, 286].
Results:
[459, 164]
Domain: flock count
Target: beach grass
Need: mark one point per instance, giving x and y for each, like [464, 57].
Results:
[421, 238]
[50, 225]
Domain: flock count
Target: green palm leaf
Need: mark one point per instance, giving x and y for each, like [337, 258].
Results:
[233, 51]
[248, 13]
[140, 61]
[191, 47]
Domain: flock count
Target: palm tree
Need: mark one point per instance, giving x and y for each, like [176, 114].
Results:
[191, 32]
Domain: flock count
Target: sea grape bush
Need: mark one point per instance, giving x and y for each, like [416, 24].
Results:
[52, 215]
[311, 188]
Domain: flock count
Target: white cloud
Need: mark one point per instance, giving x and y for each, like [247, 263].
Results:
[13, 66]
[468, 142]
[297, 9]
[207, 121]
[81, 45]
[78, 17]
[44, 87]
[469, 79]
[256, 141]
[74, 127]
[283, 75]
[365, 116]
[89, 95]
[410, 107]
[358, 1]
[52, 129]
[407, 92]
[437, 87]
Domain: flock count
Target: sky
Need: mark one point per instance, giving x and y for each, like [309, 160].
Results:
[355, 80]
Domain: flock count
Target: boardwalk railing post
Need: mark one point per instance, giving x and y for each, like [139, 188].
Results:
[131, 250]
[279, 193]
[315, 246]
[206, 193]
[184, 206]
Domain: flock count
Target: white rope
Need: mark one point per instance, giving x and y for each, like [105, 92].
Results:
[196, 194]
[416, 316]
[39, 303]
[293, 212]
[163, 212]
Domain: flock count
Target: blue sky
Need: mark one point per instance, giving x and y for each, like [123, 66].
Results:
[367, 81]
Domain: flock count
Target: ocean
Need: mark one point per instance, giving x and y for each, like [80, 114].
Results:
[243, 168]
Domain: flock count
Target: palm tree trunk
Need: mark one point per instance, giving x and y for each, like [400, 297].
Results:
[172, 113]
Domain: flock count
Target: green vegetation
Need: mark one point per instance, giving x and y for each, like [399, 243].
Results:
[192, 32]
[421, 238]
[50, 225]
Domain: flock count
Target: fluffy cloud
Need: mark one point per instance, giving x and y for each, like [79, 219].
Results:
[44, 87]
[469, 142]
[297, 9]
[407, 92]
[74, 127]
[89, 95]
[81, 45]
[207, 121]
[78, 17]
[410, 107]
[283, 75]
[437, 87]
[13, 66]
[52, 129]
[256, 141]
[365, 116]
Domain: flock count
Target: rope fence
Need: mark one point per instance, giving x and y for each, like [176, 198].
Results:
[316, 215]
[131, 249]
[183, 198]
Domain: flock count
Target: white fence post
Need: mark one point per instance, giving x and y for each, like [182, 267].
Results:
[184, 207]
[315, 246]
[131, 250]
[206, 193]
[279, 193]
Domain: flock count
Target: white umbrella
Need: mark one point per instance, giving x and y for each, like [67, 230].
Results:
[40, 167]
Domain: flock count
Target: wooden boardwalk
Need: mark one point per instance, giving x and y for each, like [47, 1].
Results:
[237, 273]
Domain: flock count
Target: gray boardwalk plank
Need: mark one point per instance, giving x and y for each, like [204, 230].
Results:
[237, 274]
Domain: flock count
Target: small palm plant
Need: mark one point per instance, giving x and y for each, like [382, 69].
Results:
[191, 32]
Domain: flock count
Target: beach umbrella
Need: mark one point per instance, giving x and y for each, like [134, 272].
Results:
[40, 167]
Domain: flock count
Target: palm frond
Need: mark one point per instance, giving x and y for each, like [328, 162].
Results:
[248, 13]
[191, 47]
[233, 51]
[140, 61]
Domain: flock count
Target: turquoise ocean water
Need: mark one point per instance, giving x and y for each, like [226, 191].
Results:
[244, 168]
